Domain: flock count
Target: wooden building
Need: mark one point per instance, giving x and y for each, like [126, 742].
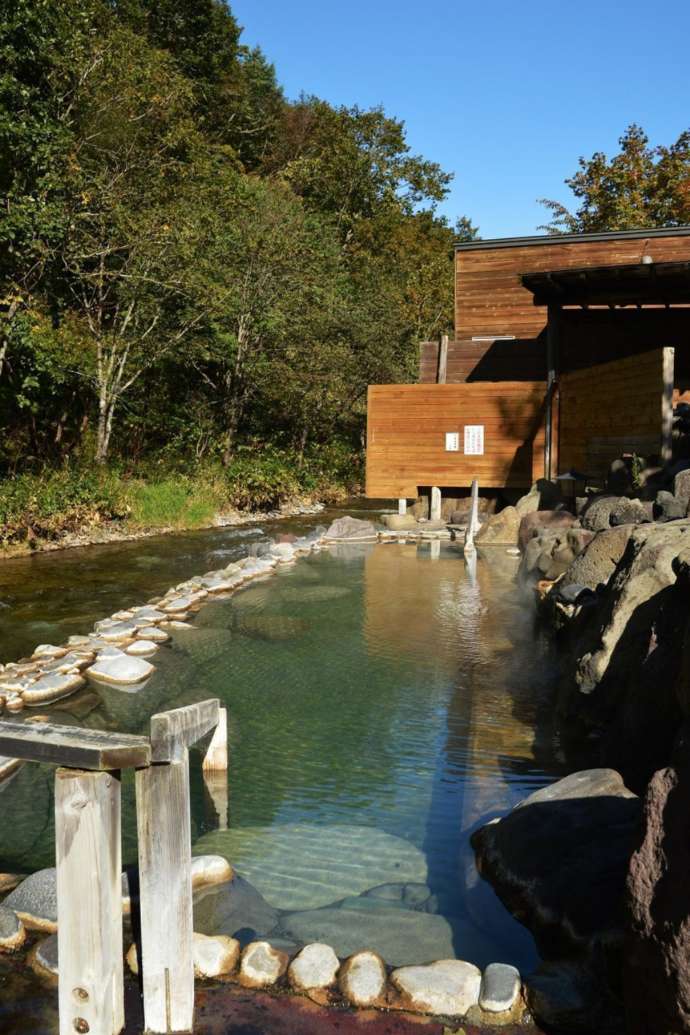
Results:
[567, 351]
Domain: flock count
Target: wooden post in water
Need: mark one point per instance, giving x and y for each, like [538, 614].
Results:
[216, 758]
[402, 506]
[435, 508]
[89, 902]
[473, 524]
[165, 895]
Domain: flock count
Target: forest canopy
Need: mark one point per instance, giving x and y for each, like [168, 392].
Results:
[194, 267]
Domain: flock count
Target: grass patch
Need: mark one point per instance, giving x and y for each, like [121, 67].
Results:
[179, 502]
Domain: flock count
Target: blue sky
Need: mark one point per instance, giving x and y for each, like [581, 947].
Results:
[505, 95]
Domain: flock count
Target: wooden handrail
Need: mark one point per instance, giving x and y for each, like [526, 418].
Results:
[88, 859]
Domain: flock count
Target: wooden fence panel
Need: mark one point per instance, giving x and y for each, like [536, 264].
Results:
[407, 427]
[612, 408]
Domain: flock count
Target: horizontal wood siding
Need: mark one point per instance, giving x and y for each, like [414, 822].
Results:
[407, 424]
[489, 298]
[485, 361]
[609, 409]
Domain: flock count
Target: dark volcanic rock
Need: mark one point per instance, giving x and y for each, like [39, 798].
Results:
[606, 511]
[657, 957]
[596, 564]
[538, 521]
[573, 999]
[559, 860]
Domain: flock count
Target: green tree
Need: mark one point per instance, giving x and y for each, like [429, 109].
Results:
[641, 186]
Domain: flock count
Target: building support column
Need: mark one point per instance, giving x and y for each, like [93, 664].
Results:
[552, 348]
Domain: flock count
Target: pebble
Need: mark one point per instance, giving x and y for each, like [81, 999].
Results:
[500, 988]
[362, 979]
[315, 966]
[14, 703]
[448, 987]
[210, 869]
[214, 955]
[12, 931]
[124, 670]
[262, 965]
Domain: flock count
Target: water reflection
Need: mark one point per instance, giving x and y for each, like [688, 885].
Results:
[382, 701]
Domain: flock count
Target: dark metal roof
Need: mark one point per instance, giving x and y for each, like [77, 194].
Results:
[640, 283]
[608, 235]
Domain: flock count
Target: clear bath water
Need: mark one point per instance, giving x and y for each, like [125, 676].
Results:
[383, 702]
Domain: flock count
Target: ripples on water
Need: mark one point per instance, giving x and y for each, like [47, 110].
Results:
[382, 704]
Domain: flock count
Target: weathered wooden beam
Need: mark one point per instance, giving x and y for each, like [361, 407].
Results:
[72, 746]
[442, 360]
[173, 732]
[216, 757]
[89, 902]
[165, 895]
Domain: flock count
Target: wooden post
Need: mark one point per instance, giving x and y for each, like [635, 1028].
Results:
[435, 549]
[442, 360]
[216, 758]
[165, 895]
[402, 506]
[89, 902]
[435, 509]
[668, 365]
[552, 332]
[473, 524]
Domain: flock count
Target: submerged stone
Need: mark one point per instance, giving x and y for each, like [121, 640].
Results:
[273, 628]
[234, 908]
[46, 956]
[331, 861]
[12, 931]
[400, 936]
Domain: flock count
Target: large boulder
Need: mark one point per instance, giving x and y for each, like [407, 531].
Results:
[657, 957]
[539, 521]
[559, 860]
[399, 522]
[597, 562]
[500, 529]
[606, 511]
[349, 528]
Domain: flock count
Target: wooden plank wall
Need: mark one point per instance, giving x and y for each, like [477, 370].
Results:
[609, 409]
[490, 299]
[407, 424]
[485, 361]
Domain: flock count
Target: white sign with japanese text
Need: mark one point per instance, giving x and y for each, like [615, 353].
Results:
[452, 442]
[474, 440]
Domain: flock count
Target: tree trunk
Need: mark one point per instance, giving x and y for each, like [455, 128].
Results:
[106, 411]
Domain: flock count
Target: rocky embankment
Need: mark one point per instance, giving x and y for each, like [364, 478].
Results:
[597, 865]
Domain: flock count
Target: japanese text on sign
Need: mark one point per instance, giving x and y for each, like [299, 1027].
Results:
[474, 439]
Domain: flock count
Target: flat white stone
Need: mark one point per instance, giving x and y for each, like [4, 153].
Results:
[15, 684]
[119, 631]
[500, 987]
[152, 632]
[214, 955]
[48, 650]
[262, 965]
[122, 616]
[141, 648]
[362, 979]
[448, 987]
[177, 604]
[123, 669]
[52, 687]
[177, 623]
[78, 641]
[147, 615]
[315, 966]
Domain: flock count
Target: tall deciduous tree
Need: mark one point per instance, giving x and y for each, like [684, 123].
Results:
[641, 186]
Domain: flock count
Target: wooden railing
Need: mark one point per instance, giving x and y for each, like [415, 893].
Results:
[89, 862]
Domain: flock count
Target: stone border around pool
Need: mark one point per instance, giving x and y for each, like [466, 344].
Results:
[116, 653]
